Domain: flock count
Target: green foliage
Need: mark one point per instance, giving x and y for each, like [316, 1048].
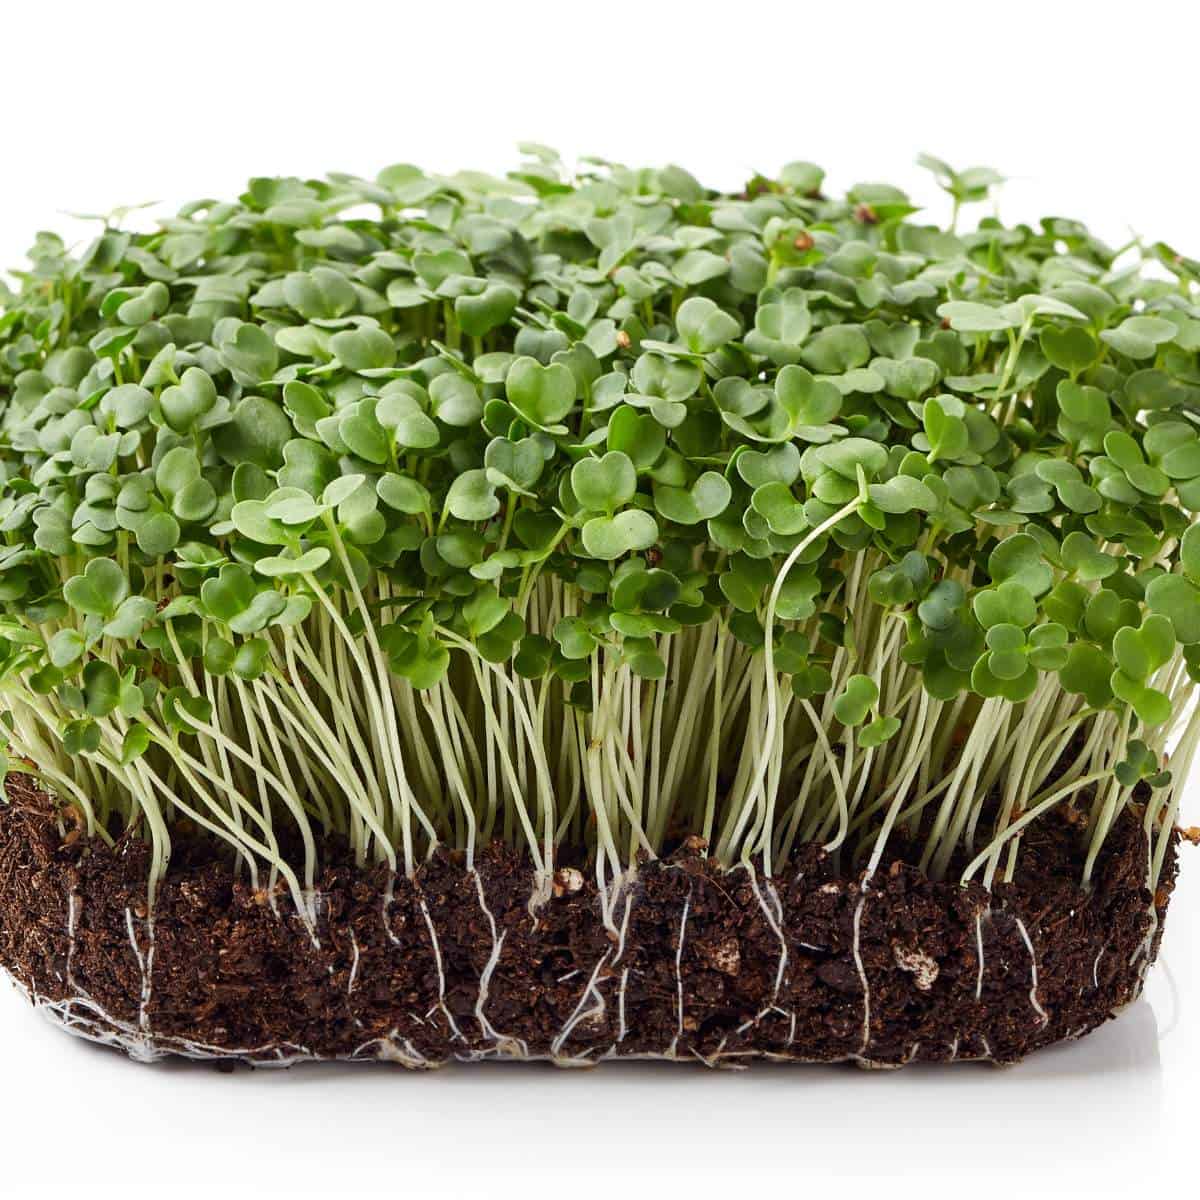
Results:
[542, 425]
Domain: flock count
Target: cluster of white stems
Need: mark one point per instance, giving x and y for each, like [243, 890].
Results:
[330, 741]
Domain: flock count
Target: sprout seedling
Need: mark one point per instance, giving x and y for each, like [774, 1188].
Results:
[596, 511]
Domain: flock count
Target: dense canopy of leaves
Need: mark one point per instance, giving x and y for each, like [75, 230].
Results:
[620, 379]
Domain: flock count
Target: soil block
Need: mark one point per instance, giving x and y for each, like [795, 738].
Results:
[461, 962]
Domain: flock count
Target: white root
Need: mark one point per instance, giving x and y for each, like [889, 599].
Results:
[622, 1029]
[83, 1017]
[579, 1013]
[687, 903]
[353, 965]
[386, 902]
[775, 921]
[101, 1026]
[74, 903]
[145, 967]
[394, 1049]
[1036, 1004]
[862, 975]
[437, 958]
[503, 1042]
[979, 951]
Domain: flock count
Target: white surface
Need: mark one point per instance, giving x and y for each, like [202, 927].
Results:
[1088, 107]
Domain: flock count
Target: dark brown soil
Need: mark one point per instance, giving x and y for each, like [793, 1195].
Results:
[714, 965]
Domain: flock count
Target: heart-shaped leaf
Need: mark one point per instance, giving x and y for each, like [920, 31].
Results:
[99, 590]
[604, 484]
[856, 701]
[703, 326]
[969, 316]
[472, 497]
[835, 349]
[707, 498]
[542, 395]
[1019, 558]
[480, 314]
[902, 494]
[363, 349]
[610, 537]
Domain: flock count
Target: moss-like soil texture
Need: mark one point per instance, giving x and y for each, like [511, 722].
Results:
[457, 963]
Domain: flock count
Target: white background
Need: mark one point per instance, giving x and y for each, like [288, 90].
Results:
[1089, 108]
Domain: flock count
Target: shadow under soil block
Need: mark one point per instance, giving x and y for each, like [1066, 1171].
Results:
[698, 962]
